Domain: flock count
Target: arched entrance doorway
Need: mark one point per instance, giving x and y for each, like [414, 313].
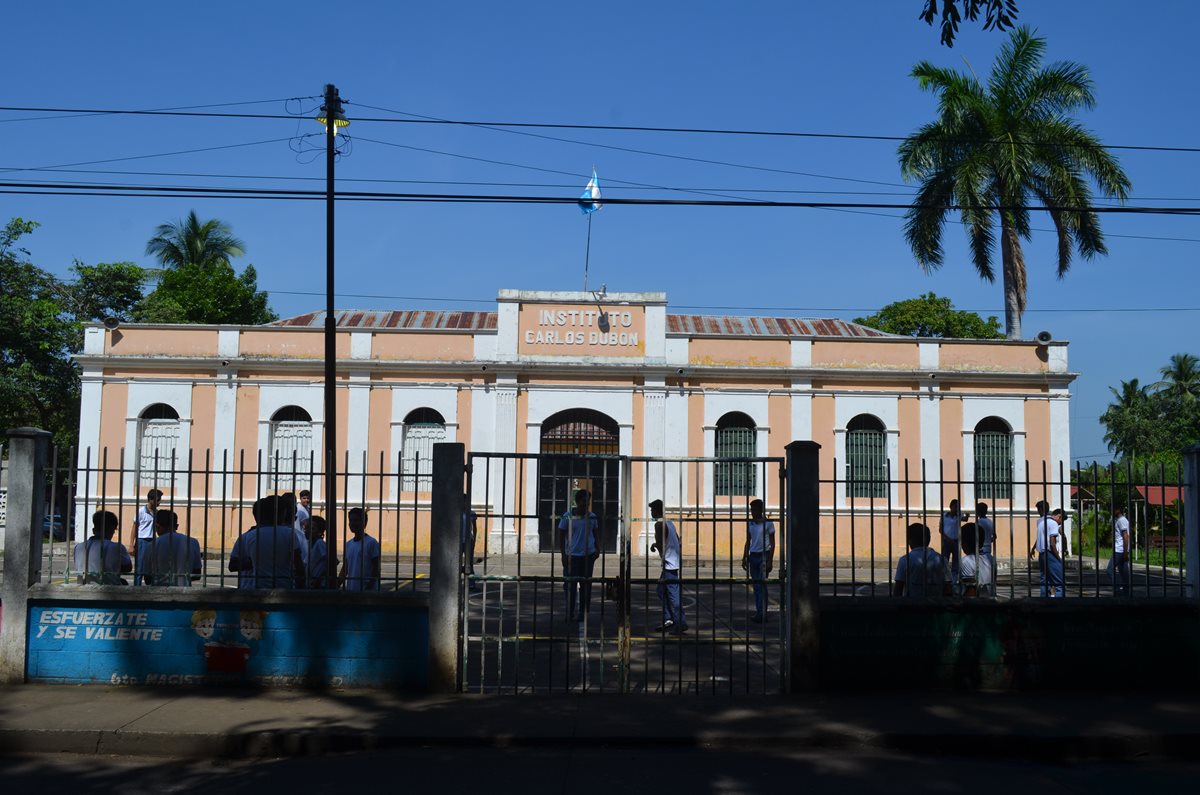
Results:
[579, 450]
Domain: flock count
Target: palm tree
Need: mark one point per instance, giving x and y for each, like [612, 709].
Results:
[1125, 419]
[996, 149]
[1181, 378]
[191, 242]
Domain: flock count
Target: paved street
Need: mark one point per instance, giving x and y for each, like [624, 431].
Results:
[584, 771]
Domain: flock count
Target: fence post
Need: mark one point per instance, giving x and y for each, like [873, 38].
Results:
[803, 551]
[1191, 518]
[444, 590]
[22, 543]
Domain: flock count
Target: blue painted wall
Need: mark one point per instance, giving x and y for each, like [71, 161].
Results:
[198, 643]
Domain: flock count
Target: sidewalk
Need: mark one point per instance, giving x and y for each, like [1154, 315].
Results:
[233, 724]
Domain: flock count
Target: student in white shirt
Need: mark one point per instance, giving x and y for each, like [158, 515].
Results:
[466, 540]
[976, 572]
[361, 569]
[758, 556]
[670, 552]
[99, 559]
[922, 572]
[952, 519]
[579, 544]
[987, 528]
[1121, 550]
[1049, 557]
[143, 527]
[319, 565]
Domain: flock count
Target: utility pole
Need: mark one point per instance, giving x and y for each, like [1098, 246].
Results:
[332, 117]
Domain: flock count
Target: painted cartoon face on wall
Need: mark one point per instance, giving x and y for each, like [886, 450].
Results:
[251, 624]
[204, 623]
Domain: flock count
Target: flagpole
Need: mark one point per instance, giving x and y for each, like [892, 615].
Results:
[587, 252]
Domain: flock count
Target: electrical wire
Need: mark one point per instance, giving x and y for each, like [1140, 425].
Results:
[285, 193]
[419, 119]
[146, 157]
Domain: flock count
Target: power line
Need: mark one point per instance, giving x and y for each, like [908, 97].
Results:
[67, 114]
[285, 193]
[419, 119]
[146, 157]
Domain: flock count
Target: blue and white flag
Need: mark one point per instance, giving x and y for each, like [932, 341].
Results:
[589, 201]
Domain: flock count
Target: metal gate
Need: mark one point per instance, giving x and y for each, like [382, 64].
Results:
[516, 633]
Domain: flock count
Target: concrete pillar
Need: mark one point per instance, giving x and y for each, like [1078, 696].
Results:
[1191, 517]
[22, 543]
[803, 567]
[445, 591]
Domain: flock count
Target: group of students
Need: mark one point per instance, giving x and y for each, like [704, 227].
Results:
[167, 557]
[284, 549]
[924, 572]
[579, 546]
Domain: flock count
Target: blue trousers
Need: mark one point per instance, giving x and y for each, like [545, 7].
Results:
[757, 572]
[1052, 575]
[669, 595]
[144, 546]
[579, 592]
[1120, 574]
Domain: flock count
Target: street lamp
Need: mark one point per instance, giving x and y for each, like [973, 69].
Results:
[330, 109]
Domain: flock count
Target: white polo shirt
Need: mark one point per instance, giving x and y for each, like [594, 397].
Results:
[762, 535]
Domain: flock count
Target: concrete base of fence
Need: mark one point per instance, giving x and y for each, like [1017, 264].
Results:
[183, 636]
[1032, 645]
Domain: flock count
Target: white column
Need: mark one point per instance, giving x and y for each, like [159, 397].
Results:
[358, 411]
[654, 439]
[503, 496]
[931, 443]
[1060, 442]
[801, 409]
[87, 482]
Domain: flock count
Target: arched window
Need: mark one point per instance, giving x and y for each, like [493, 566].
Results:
[158, 445]
[423, 428]
[866, 457]
[290, 451]
[736, 438]
[993, 459]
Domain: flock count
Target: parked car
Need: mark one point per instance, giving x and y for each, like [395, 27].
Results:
[53, 527]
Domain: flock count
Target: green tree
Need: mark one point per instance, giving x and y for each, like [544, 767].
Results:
[1181, 378]
[206, 293]
[39, 384]
[994, 150]
[107, 289]
[932, 316]
[1001, 14]
[193, 242]
[1153, 424]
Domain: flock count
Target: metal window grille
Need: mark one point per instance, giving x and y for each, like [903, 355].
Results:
[291, 458]
[416, 462]
[735, 478]
[158, 444]
[866, 463]
[993, 465]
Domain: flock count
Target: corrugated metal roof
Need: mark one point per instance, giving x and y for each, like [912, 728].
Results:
[405, 319]
[728, 325]
[699, 325]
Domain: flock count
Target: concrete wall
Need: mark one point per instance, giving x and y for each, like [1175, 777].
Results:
[1087, 645]
[163, 636]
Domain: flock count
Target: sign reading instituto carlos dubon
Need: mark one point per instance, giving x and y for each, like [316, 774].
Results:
[582, 330]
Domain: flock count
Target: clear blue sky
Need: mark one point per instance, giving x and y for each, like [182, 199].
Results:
[812, 67]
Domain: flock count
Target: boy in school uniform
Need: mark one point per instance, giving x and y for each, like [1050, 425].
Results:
[922, 572]
[266, 555]
[100, 559]
[1121, 549]
[466, 540]
[579, 539]
[361, 569]
[1047, 548]
[318, 554]
[174, 557]
[758, 556]
[670, 551]
[143, 528]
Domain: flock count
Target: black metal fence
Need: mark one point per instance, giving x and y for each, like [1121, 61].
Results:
[537, 619]
[213, 499]
[864, 539]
